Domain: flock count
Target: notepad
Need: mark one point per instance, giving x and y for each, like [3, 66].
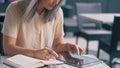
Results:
[22, 61]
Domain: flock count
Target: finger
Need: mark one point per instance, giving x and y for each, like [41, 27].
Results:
[46, 54]
[77, 50]
[45, 50]
[81, 51]
[60, 56]
[53, 53]
[46, 58]
[73, 48]
[51, 57]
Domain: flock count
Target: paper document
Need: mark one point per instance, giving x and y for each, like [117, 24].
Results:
[22, 61]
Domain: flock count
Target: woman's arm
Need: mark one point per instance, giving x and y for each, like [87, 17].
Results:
[10, 48]
[60, 46]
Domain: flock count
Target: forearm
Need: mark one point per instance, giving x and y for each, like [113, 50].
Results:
[14, 49]
[62, 47]
[59, 45]
[10, 47]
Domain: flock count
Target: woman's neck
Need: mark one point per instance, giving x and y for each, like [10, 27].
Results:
[40, 8]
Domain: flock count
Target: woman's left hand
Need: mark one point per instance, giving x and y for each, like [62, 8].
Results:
[75, 49]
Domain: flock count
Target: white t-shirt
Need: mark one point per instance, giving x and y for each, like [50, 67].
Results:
[34, 35]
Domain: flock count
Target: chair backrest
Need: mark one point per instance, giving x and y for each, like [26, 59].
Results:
[88, 8]
[115, 37]
[86, 23]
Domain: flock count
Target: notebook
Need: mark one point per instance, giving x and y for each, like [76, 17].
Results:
[22, 61]
[81, 60]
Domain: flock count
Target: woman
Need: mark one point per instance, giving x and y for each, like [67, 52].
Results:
[35, 28]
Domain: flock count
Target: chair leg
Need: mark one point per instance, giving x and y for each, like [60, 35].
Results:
[98, 52]
[77, 40]
[87, 47]
[112, 56]
[110, 62]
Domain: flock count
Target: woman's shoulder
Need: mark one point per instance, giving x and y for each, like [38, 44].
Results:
[12, 5]
[60, 12]
[15, 8]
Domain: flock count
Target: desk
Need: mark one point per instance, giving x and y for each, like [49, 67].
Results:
[106, 18]
[101, 65]
[2, 14]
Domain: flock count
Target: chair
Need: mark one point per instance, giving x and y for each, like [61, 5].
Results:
[88, 7]
[88, 28]
[111, 45]
[1, 47]
[1, 17]
[1, 25]
[70, 23]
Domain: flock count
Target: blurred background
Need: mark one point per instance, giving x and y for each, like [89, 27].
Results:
[91, 24]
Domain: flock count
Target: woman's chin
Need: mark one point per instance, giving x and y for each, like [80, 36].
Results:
[49, 8]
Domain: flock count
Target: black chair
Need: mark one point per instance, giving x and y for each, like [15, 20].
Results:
[1, 37]
[110, 45]
[91, 7]
[2, 16]
[89, 29]
[87, 23]
[70, 23]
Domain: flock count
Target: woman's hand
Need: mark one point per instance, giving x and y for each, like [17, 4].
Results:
[74, 49]
[46, 54]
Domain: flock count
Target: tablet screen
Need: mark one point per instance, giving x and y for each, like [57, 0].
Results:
[78, 60]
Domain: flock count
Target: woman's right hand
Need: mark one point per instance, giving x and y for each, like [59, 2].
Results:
[46, 54]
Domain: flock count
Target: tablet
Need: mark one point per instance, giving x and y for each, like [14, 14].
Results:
[81, 60]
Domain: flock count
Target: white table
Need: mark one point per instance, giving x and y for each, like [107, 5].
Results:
[2, 14]
[104, 17]
[101, 65]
